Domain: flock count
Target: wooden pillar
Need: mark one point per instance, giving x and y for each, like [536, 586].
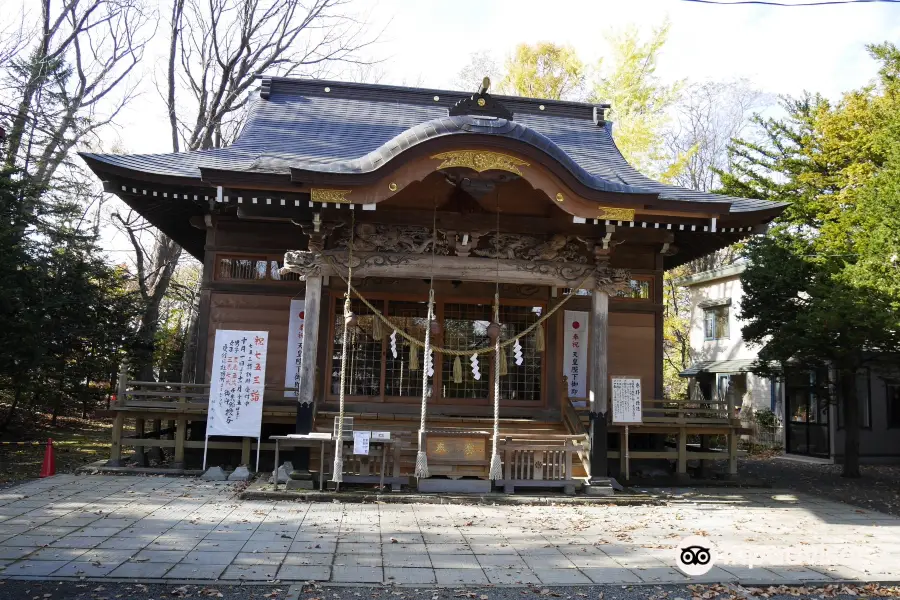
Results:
[599, 382]
[245, 451]
[732, 451]
[156, 452]
[306, 378]
[180, 434]
[115, 450]
[681, 474]
[139, 451]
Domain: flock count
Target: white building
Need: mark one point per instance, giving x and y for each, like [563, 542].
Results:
[721, 359]
[720, 369]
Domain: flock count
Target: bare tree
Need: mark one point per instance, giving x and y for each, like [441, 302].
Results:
[481, 64]
[217, 49]
[74, 79]
[709, 116]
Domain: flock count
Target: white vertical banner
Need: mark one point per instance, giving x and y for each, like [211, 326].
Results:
[294, 345]
[626, 399]
[575, 350]
[238, 383]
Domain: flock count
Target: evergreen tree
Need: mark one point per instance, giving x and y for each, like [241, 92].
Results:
[821, 292]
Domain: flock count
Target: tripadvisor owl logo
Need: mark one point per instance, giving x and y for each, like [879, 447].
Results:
[696, 556]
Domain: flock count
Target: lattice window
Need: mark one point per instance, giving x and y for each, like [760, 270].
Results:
[403, 375]
[638, 289]
[521, 382]
[465, 328]
[364, 352]
[251, 269]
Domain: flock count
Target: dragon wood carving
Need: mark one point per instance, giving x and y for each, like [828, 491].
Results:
[559, 248]
[371, 237]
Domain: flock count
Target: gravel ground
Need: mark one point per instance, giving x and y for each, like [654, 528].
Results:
[877, 489]
[31, 590]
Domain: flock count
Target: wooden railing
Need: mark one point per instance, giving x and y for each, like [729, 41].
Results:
[539, 461]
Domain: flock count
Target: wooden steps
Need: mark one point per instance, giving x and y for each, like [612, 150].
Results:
[406, 427]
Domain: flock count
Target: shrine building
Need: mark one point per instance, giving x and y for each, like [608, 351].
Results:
[432, 202]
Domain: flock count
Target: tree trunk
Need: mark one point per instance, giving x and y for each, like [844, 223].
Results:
[851, 423]
[189, 356]
[17, 395]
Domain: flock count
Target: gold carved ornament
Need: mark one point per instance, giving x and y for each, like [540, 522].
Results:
[328, 195]
[480, 160]
[608, 213]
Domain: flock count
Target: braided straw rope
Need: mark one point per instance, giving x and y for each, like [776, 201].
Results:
[449, 351]
[421, 471]
[496, 471]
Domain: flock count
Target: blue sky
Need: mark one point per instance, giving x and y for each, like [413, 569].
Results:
[781, 50]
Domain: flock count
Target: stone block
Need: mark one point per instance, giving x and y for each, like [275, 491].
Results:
[284, 472]
[214, 474]
[242, 473]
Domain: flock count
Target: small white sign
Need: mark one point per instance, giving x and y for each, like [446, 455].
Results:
[381, 435]
[294, 345]
[626, 399]
[361, 442]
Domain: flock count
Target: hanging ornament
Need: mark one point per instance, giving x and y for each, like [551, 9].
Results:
[436, 328]
[517, 353]
[457, 371]
[503, 368]
[413, 358]
[429, 361]
[475, 372]
[539, 339]
[493, 331]
[394, 343]
[350, 319]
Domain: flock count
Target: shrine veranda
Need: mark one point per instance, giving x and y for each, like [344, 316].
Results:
[469, 196]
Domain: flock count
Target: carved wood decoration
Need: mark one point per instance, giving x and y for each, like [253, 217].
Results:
[608, 213]
[371, 237]
[328, 195]
[558, 248]
[420, 266]
[480, 160]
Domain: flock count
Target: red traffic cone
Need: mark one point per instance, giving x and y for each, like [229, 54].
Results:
[49, 467]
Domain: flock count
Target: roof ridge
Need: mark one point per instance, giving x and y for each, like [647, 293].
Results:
[414, 95]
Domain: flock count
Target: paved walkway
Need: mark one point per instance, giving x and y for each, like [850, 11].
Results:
[184, 529]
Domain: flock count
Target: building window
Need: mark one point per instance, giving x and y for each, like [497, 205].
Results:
[715, 322]
[893, 405]
[465, 329]
[363, 373]
[373, 374]
[638, 289]
[251, 269]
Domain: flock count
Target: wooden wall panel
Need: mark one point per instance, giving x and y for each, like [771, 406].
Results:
[253, 312]
[632, 343]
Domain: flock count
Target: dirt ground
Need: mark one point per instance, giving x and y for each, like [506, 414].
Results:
[76, 442]
[877, 489]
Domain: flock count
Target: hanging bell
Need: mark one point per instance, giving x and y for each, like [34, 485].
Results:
[436, 329]
[493, 331]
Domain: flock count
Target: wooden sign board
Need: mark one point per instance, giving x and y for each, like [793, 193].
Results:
[626, 399]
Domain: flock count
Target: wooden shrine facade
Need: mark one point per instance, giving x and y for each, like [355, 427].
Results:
[401, 186]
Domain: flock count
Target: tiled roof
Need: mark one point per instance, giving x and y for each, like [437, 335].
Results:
[354, 128]
[739, 365]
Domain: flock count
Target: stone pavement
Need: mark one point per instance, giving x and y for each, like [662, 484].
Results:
[183, 529]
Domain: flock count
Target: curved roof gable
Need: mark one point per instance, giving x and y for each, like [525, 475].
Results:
[335, 127]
